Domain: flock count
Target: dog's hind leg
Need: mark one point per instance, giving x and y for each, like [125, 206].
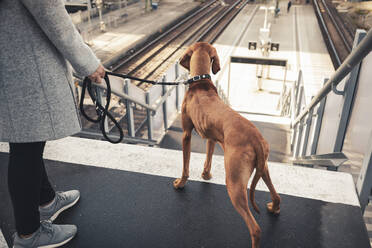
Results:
[206, 175]
[272, 207]
[238, 171]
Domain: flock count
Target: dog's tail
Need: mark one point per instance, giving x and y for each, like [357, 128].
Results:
[260, 156]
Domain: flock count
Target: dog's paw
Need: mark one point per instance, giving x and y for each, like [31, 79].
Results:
[178, 183]
[273, 209]
[206, 176]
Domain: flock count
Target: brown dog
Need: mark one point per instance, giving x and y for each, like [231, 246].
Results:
[244, 147]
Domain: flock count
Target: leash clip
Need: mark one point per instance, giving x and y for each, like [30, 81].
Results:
[99, 111]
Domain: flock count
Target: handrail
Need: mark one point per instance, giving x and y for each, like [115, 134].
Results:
[352, 60]
[124, 96]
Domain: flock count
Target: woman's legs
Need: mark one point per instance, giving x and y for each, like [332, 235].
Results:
[47, 193]
[28, 185]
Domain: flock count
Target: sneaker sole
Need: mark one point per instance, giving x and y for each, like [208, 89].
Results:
[55, 215]
[56, 245]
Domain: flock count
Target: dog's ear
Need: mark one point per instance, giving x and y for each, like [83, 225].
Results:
[215, 61]
[185, 60]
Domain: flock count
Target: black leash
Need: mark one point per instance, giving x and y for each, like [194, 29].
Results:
[191, 80]
[103, 112]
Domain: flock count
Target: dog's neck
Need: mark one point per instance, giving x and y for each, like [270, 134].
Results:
[200, 64]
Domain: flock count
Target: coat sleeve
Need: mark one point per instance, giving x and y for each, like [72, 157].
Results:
[54, 20]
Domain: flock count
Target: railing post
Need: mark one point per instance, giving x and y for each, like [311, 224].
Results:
[350, 87]
[293, 100]
[364, 182]
[298, 83]
[294, 137]
[318, 125]
[228, 82]
[299, 139]
[101, 100]
[149, 117]
[177, 70]
[129, 108]
[177, 97]
[299, 101]
[165, 117]
[309, 120]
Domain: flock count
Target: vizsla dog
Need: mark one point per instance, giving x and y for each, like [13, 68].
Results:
[244, 147]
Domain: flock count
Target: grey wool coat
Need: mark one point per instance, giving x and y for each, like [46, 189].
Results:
[37, 38]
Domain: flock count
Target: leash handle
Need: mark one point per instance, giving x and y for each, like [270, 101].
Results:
[102, 112]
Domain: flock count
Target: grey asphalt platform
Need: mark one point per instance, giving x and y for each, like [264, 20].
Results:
[128, 200]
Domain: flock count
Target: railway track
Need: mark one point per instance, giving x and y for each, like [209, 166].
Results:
[152, 60]
[336, 32]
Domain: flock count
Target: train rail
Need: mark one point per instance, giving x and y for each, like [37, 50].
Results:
[337, 34]
[152, 61]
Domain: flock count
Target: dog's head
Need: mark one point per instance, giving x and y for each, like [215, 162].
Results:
[201, 49]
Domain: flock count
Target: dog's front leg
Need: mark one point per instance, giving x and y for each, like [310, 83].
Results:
[206, 175]
[186, 147]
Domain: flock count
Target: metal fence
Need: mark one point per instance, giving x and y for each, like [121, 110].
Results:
[319, 129]
[160, 105]
[308, 121]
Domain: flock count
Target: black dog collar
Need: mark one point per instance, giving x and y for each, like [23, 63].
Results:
[197, 78]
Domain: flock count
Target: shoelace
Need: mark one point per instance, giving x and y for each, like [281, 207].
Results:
[45, 227]
[60, 196]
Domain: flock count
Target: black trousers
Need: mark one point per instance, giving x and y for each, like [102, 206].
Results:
[28, 184]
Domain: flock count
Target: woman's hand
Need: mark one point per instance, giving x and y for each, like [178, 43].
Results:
[97, 76]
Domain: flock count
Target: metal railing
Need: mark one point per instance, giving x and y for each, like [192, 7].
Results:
[355, 57]
[303, 116]
[306, 131]
[160, 104]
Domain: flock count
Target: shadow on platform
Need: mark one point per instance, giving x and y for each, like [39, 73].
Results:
[278, 136]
